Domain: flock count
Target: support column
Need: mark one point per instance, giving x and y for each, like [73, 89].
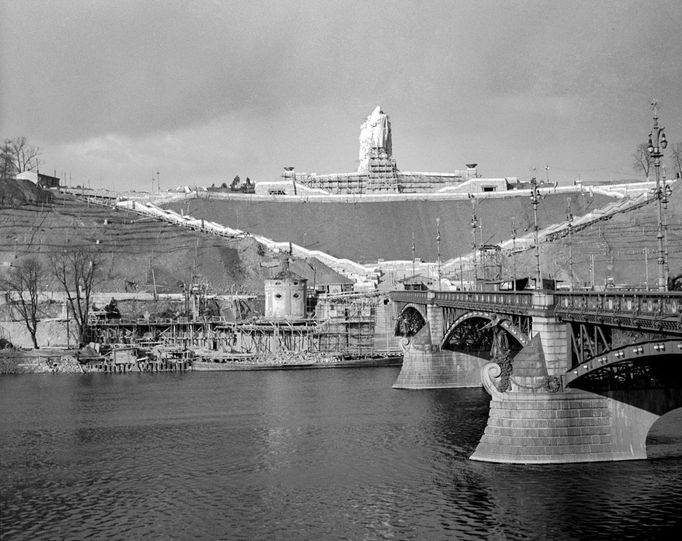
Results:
[434, 317]
[552, 428]
[554, 336]
[553, 333]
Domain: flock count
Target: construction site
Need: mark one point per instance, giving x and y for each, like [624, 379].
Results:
[340, 328]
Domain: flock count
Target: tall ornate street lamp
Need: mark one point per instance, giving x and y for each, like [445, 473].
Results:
[535, 197]
[474, 225]
[438, 248]
[657, 142]
[513, 232]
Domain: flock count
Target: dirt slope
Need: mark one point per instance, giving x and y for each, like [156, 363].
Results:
[130, 247]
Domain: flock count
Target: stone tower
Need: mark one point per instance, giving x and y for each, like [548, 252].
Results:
[285, 297]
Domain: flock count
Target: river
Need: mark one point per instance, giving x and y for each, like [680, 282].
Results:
[317, 454]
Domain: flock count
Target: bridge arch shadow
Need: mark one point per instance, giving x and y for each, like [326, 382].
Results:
[410, 320]
[646, 375]
[474, 333]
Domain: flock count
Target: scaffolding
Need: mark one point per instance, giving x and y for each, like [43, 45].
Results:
[344, 326]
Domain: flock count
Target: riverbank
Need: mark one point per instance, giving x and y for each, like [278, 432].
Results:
[61, 361]
[41, 361]
[371, 362]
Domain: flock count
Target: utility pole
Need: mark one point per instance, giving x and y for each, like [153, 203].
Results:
[535, 200]
[569, 217]
[413, 249]
[474, 224]
[657, 142]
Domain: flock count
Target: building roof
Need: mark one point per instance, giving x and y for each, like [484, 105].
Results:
[314, 270]
[287, 274]
[28, 175]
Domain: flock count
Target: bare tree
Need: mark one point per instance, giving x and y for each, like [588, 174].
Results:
[23, 287]
[77, 270]
[7, 169]
[17, 156]
[642, 160]
[676, 157]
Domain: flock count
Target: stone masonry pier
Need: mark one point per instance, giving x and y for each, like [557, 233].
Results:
[569, 426]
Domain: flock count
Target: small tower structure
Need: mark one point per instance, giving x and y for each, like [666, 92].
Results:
[285, 296]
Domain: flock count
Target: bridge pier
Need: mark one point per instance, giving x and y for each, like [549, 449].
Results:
[426, 366]
[542, 427]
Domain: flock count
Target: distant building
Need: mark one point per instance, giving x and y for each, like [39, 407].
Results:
[320, 277]
[418, 282]
[39, 179]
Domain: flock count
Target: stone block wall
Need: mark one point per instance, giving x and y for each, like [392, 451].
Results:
[555, 344]
[569, 426]
[430, 368]
[434, 317]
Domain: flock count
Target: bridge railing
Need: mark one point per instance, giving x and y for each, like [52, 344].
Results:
[652, 304]
[466, 298]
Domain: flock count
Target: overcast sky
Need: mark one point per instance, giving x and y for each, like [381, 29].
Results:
[200, 91]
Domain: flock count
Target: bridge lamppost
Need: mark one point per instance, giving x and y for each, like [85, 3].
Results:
[474, 225]
[535, 197]
[438, 248]
[513, 232]
[413, 249]
[657, 142]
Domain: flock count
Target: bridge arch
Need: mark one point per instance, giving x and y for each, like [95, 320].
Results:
[418, 307]
[410, 320]
[646, 375]
[468, 328]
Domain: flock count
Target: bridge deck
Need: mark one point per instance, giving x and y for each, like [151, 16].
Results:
[653, 310]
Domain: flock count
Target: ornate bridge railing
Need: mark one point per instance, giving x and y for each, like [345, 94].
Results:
[647, 310]
[506, 301]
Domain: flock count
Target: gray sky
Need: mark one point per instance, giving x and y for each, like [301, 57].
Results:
[204, 90]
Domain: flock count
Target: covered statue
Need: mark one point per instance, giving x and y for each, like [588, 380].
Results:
[375, 137]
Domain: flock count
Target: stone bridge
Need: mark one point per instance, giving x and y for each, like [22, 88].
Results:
[573, 376]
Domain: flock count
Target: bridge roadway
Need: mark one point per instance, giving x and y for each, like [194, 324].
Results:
[610, 359]
[648, 316]
[638, 309]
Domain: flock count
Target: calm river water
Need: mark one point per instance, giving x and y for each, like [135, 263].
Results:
[318, 454]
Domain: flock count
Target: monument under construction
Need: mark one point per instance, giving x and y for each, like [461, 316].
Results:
[378, 172]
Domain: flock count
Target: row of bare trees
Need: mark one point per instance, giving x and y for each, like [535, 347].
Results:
[17, 156]
[76, 272]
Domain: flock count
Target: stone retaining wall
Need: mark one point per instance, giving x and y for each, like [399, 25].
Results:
[50, 334]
